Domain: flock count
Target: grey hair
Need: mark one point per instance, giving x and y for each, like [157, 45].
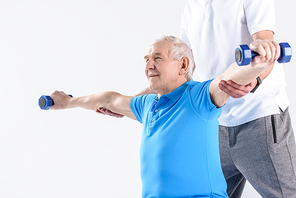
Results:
[180, 49]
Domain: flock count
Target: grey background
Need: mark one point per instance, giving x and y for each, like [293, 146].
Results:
[83, 47]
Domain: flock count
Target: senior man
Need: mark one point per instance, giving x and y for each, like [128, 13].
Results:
[179, 149]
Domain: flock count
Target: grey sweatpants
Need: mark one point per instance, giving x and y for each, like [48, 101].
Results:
[262, 151]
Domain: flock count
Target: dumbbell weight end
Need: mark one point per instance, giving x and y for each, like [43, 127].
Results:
[45, 102]
[286, 53]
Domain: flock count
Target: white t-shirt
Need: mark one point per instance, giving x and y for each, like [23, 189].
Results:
[213, 29]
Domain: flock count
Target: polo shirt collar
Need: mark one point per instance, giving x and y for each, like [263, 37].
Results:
[177, 93]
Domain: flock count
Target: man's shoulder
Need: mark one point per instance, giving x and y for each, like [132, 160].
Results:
[144, 99]
[200, 85]
[199, 91]
[146, 96]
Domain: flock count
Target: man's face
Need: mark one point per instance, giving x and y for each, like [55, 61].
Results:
[161, 69]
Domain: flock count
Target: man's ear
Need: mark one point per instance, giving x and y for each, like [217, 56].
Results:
[184, 65]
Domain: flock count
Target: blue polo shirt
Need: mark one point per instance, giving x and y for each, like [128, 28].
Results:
[180, 147]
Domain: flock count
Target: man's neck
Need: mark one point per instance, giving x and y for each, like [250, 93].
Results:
[170, 89]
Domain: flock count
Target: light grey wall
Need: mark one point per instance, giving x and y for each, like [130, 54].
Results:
[83, 47]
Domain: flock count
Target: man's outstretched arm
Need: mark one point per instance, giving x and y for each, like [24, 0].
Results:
[269, 52]
[109, 100]
[238, 91]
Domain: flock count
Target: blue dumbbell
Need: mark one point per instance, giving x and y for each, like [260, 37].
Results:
[243, 54]
[45, 102]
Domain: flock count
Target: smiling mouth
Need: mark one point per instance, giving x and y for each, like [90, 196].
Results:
[153, 75]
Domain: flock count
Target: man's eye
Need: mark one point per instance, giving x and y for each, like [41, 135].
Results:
[147, 60]
[157, 57]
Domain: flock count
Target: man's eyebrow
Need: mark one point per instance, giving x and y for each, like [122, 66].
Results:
[154, 54]
[157, 54]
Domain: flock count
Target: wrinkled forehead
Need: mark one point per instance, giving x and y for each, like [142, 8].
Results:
[160, 47]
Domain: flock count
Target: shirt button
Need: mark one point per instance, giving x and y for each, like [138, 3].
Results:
[156, 110]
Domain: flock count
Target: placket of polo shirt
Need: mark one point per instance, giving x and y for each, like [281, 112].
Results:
[154, 110]
[159, 107]
[156, 99]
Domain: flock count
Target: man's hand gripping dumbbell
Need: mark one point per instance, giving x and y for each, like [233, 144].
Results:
[243, 54]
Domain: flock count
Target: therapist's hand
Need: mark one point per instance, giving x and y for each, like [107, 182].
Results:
[235, 90]
[104, 111]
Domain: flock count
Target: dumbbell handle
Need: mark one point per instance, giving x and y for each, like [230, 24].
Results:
[45, 102]
[253, 54]
[243, 54]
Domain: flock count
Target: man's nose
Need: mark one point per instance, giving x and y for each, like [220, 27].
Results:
[150, 64]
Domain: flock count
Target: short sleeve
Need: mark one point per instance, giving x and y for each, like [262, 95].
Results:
[260, 15]
[140, 105]
[202, 103]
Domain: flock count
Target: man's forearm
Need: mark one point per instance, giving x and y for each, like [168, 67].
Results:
[242, 75]
[109, 100]
[93, 102]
